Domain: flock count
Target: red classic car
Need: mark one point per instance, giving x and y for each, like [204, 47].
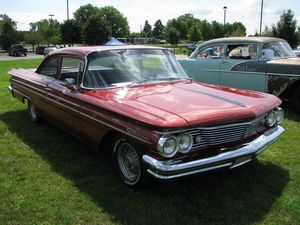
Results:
[159, 122]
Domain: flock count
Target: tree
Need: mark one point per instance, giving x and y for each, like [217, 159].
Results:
[173, 36]
[147, 31]
[49, 31]
[70, 32]
[236, 29]
[135, 35]
[266, 33]
[97, 30]
[158, 30]
[286, 28]
[117, 22]
[206, 30]
[217, 29]
[84, 12]
[237, 33]
[194, 33]
[33, 37]
[8, 31]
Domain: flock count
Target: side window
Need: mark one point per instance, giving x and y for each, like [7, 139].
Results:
[215, 51]
[70, 68]
[50, 68]
[242, 51]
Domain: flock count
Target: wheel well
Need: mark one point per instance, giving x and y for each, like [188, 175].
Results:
[106, 141]
[24, 99]
[287, 94]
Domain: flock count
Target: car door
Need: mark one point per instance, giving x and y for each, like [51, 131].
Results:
[45, 74]
[241, 67]
[64, 94]
[204, 66]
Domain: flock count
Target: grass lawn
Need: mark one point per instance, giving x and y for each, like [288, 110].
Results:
[48, 177]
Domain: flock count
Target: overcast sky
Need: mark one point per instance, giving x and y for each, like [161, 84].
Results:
[136, 11]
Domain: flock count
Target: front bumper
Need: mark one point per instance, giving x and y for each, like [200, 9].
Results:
[170, 169]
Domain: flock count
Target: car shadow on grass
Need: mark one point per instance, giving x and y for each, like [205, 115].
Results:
[290, 113]
[240, 196]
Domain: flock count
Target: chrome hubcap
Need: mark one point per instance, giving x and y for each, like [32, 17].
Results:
[128, 162]
[32, 111]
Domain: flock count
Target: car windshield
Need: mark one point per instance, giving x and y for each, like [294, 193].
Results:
[276, 49]
[116, 68]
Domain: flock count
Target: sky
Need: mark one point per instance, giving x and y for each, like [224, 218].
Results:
[137, 12]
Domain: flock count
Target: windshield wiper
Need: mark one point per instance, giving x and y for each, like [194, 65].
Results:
[158, 79]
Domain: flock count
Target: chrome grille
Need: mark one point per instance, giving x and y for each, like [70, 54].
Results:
[225, 134]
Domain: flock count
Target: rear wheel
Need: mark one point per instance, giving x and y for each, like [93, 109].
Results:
[296, 99]
[127, 160]
[33, 112]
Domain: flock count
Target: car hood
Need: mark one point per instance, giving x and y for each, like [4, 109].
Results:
[189, 103]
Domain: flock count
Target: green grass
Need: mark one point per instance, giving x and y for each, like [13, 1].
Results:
[48, 177]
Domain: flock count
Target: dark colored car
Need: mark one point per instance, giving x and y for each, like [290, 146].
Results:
[255, 63]
[192, 46]
[17, 50]
[158, 122]
[40, 50]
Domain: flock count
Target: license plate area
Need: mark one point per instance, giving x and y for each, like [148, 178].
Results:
[242, 160]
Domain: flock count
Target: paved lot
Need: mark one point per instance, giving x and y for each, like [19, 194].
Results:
[30, 55]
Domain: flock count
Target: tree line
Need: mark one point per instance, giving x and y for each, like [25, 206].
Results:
[94, 25]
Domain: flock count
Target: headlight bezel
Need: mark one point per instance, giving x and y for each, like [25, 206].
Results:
[161, 145]
[190, 137]
[278, 115]
[176, 138]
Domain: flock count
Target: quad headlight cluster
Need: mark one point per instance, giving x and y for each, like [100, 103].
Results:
[274, 117]
[169, 145]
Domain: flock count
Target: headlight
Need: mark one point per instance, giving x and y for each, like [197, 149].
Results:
[271, 119]
[167, 146]
[185, 143]
[279, 114]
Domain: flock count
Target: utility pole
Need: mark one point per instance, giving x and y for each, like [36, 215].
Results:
[225, 8]
[261, 14]
[68, 10]
[51, 15]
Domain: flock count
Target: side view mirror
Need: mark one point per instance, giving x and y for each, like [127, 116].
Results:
[69, 81]
[70, 84]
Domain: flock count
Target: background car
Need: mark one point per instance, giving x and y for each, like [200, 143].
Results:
[254, 63]
[49, 49]
[40, 50]
[192, 46]
[17, 50]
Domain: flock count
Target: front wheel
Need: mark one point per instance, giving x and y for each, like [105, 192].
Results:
[127, 160]
[296, 99]
[33, 112]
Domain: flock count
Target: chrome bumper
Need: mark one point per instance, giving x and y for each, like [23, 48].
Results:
[173, 169]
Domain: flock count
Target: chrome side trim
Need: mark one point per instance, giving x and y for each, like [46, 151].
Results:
[92, 119]
[173, 169]
[283, 74]
[241, 71]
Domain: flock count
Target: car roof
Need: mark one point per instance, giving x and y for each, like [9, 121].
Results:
[84, 51]
[242, 39]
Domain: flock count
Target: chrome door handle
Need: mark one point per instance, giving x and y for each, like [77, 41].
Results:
[224, 62]
[48, 89]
